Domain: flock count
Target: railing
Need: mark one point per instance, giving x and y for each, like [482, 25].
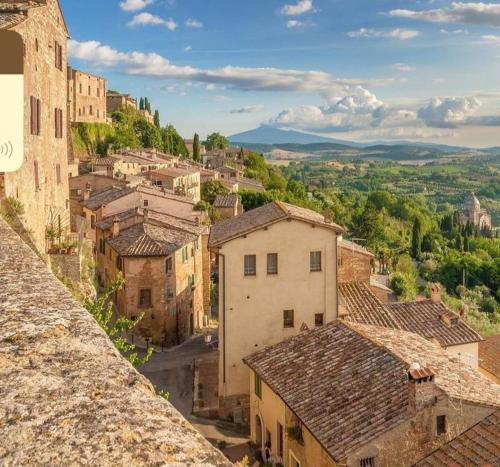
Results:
[65, 244]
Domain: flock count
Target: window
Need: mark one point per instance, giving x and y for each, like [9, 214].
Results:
[258, 386]
[102, 246]
[36, 45]
[250, 265]
[170, 293]
[146, 203]
[185, 254]
[367, 462]
[144, 298]
[318, 319]
[58, 174]
[91, 110]
[268, 439]
[37, 176]
[81, 89]
[168, 265]
[441, 424]
[196, 244]
[58, 121]
[315, 261]
[92, 221]
[288, 318]
[35, 115]
[272, 263]
[119, 263]
[90, 91]
[280, 433]
[59, 55]
[98, 92]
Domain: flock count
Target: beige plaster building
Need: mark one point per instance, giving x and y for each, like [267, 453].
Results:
[228, 205]
[360, 395]
[185, 181]
[41, 184]
[86, 97]
[160, 257]
[277, 272]
[115, 100]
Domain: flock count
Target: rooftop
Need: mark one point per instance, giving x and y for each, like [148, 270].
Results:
[489, 355]
[263, 216]
[347, 244]
[226, 201]
[66, 395]
[106, 196]
[176, 171]
[358, 373]
[479, 445]
[14, 12]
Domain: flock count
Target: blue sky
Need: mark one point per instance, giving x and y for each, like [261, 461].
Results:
[359, 69]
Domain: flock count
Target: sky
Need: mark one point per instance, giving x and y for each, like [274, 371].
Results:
[366, 70]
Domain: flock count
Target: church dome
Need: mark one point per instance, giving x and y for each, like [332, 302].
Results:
[471, 202]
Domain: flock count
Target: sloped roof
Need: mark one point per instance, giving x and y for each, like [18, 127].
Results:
[479, 445]
[263, 216]
[226, 201]
[489, 355]
[106, 196]
[146, 239]
[420, 317]
[14, 12]
[348, 245]
[345, 389]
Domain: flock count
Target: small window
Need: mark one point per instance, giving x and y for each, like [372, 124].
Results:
[318, 319]
[250, 265]
[168, 265]
[119, 263]
[58, 174]
[196, 244]
[272, 263]
[98, 92]
[37, 175]
[258, 385]
[145, 298]
[185, 254]
[35, 115]
[90, 91]
[58, 123]
[280, 434]
[441, 424]
[146, 203]
[91, 110]
[367, 462]
[81, 89]
[92, 221]
[288, 318]
[315, 261]
[59, 55]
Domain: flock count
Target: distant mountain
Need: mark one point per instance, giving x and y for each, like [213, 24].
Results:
[266, 134]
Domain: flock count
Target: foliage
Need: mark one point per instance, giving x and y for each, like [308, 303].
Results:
[404, 286]
[172, 142]
[101, 309]
[211, 189]
[157, 119]
[196, 147]
[11, 209]
[216, 141]
[295, 432]
[91, 138]
[416, 238]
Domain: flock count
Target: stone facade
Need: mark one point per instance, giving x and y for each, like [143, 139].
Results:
[115, 100]
[86, 97]
[67, 397]
[41, 184]
[354, 264]
[473, 213]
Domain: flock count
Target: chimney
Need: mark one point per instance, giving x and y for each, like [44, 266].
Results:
[197, 220]
[116, 227]
[86, 194]
[421, 387]
[435, 292]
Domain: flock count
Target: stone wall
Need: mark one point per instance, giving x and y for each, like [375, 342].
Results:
[86, 97]
[353, 265]
[67, 397]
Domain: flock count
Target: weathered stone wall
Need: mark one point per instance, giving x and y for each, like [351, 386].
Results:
[86, 97]
[68, 266]
[353, 266]
[67, 397]
[47, 202]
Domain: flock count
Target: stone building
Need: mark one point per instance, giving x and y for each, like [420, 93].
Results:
[67, 397]
[273, 279]
[184, 181]
[228, 205]
[115, 100]
[190, 145]
[161, 259]
[359, 395]
[473, 213]
[41, 184]
[86, 97]
[489, 358]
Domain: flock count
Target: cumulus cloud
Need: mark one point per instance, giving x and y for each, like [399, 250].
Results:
[403, 67]
[293, 23]
[398, 33]
[193, 23]
[448, 112]
[143, 19]
[491, 38]
[454, 31]
[251, 109]
[135, 5]
[188, 48]
[456, 12]
[299, 8]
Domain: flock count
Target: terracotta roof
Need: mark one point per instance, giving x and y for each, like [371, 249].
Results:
[177, 171]
[479, 445]
[147, 239]
[263, 216]
[348, 245]
[107, 222]
[458, 380]
[12, 13]
[345, 389]
[424, 318]
[420, 317]
[489, 355]
[106, 196]
[108, 161]
[226, 201]
[164, 193]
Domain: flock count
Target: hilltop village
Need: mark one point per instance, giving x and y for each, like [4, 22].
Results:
[312, 355]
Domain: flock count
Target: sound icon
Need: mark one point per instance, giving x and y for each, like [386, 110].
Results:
[6, 149]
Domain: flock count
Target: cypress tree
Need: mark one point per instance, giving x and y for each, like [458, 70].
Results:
[157, 119]
[141, 104]
[196, 147]
[416, 238]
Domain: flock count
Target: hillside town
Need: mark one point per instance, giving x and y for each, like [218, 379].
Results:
[287, 331]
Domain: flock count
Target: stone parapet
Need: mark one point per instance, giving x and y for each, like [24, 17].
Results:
[67, 397]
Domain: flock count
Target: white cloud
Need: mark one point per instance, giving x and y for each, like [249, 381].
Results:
[398, 33]
[211, 87]
[134, 5]
[293, 23]
[403, 67]
[454, 31]
[143, 19]
[456, 12]
[248, 110]
[188, 48]
[491, 38]
[193, 23]
[301, 7]
[448, 112]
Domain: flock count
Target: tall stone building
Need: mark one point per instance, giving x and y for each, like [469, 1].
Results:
[41, 184]
[86, 97]
[473, 213]
[115, 100]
